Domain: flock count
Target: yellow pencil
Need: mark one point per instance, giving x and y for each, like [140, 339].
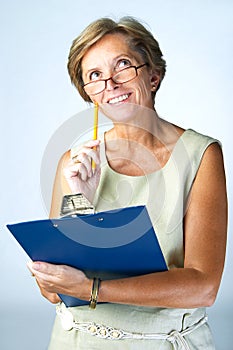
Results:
[95, 130]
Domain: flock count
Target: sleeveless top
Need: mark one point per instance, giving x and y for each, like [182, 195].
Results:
[165, 194]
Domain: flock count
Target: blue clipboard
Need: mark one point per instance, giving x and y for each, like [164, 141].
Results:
[112, 244]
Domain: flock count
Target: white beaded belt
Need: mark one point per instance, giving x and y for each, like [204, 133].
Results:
[176, 338]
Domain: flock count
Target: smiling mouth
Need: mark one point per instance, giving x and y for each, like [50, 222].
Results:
[119, 99]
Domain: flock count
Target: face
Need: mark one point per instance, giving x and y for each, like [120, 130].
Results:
[107, 57]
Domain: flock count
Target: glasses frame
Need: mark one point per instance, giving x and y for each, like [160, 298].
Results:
[112, 78]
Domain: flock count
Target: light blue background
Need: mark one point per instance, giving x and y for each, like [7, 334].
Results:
[37, 97]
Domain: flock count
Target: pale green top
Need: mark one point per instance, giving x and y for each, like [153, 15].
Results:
[165, 194]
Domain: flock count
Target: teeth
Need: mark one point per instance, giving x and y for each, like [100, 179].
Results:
[119, 99]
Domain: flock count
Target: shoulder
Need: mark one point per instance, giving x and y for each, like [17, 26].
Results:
[63, 161]
[211, 173]
[212, 160]
[196, 139]
[197, 145]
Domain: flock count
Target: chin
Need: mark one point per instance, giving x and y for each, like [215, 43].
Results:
[124, 112]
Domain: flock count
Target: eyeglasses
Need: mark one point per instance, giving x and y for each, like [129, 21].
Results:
[123, 76]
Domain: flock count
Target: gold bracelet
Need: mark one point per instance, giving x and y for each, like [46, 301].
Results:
[94, 293]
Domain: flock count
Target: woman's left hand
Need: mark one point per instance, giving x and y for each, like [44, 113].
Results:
[60, 279]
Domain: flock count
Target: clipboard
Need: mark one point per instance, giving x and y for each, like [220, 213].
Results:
[112, 244]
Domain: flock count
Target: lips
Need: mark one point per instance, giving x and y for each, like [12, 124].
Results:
[119, 99]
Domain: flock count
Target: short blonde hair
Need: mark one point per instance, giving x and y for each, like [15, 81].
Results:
[138, 37]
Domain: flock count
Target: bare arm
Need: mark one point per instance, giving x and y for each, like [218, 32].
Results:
[60, 187]
[196, 284]
[205, 227]
[71, 177]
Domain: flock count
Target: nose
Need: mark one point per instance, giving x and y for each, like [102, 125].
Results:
[110, 84]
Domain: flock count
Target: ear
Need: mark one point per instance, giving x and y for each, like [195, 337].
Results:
[154, 80]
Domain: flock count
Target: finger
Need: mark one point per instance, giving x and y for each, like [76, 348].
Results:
[30, 268]
[84, 173]
[85, 148]
[92, 143]
[52, 297]
[96, 155]
[39, 268]
[85, 155]
[97, 171]
[75, 170]
[82, 169]
[85, 159]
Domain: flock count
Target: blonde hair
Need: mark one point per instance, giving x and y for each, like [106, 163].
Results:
[138, 37]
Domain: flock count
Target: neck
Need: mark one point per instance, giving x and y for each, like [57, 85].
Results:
[144, 128]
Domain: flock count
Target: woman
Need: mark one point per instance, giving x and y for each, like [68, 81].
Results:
[178, 174]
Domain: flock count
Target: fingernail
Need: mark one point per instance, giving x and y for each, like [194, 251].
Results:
[36, 266]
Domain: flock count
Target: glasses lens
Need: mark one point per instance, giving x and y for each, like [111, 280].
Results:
[125, 75]
[95, 87]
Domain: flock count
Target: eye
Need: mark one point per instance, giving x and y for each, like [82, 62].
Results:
[123, 63]
[94, 76]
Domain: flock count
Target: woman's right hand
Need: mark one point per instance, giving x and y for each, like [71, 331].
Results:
[78, 171]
